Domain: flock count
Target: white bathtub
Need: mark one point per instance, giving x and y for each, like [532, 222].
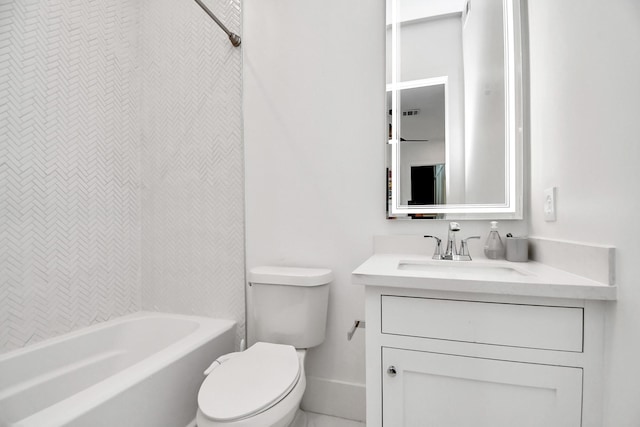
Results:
[140, 370]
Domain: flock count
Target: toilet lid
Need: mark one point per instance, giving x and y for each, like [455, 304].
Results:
[249, 383]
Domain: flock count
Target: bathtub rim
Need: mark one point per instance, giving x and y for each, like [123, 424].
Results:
[84, 330]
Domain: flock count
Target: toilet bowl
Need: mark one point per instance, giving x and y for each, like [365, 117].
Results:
[262, 386]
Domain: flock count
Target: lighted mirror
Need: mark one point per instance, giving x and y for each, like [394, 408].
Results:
[454, 103]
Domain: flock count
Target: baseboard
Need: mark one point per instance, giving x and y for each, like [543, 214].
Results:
[335, 398]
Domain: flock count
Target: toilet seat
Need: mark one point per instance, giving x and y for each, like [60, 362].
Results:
[250, 382]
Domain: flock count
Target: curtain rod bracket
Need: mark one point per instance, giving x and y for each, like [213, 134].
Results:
[233, 37]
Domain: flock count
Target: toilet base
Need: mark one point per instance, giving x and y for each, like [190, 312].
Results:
[300, 419]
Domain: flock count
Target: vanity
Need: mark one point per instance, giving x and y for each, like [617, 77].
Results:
[480, 343]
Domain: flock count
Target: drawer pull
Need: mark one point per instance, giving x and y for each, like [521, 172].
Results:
[391, 371]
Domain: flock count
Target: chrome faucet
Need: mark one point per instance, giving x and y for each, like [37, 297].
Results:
[464, 249]
[451, 252]
[437, 254]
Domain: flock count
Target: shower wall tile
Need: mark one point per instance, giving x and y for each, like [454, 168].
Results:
[192, 173]
[69, 166]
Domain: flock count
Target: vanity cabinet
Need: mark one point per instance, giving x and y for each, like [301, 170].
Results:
[433, 389]
[459, 359]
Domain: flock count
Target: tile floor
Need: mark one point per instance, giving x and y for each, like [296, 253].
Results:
[319, 420]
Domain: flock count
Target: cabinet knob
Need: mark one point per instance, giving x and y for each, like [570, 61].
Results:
[391, 371]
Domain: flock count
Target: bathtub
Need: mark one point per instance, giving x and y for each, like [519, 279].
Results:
[139, 370]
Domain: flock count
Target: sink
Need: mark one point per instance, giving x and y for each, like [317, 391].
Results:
[462, 268]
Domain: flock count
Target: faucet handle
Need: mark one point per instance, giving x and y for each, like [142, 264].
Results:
[437, 253]
[464, 248]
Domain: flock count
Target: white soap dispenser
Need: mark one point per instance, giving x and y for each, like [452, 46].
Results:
[493, 248]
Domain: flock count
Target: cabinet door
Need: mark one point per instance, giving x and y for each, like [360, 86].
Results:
[442, 390]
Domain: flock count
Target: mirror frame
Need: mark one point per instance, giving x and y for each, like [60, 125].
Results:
[512, 208]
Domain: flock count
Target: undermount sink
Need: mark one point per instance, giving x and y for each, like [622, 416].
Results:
[461, 268]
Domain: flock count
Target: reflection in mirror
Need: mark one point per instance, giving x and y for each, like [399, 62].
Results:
[422, 148]
[454, 102]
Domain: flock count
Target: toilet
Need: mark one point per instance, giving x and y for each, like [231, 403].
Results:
[263, 385]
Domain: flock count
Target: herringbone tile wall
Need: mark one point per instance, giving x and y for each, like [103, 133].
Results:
[121, 171]
[192, 160]
[69, 166]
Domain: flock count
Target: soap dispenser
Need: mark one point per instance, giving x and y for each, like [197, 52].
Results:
[493, 248]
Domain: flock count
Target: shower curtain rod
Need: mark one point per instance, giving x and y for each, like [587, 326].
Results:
[234, 38]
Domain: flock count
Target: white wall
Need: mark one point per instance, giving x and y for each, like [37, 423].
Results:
[417, 9]
[314, 141]
[585, 105]
[69, 166]
[192, 161]
[315, 136]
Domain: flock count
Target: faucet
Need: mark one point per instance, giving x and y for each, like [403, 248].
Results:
[451, 253]
[464, 249]
[437, 253]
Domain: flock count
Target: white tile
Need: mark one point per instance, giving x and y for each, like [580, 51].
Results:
[192, 192]
[320, 420]
[70, 166]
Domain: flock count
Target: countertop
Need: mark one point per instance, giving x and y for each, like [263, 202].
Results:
[529, 279]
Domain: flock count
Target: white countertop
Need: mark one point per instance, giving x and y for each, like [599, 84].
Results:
[528, 278]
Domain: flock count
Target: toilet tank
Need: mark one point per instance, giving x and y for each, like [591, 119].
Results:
[288, 305]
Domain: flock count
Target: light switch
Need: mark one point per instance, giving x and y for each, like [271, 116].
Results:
[550, 204]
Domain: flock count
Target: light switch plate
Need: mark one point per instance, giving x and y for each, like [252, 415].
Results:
[550, 204]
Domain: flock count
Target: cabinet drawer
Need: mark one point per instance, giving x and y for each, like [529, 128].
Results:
[515, 325]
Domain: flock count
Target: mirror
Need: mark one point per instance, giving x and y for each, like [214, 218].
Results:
[454, 103]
